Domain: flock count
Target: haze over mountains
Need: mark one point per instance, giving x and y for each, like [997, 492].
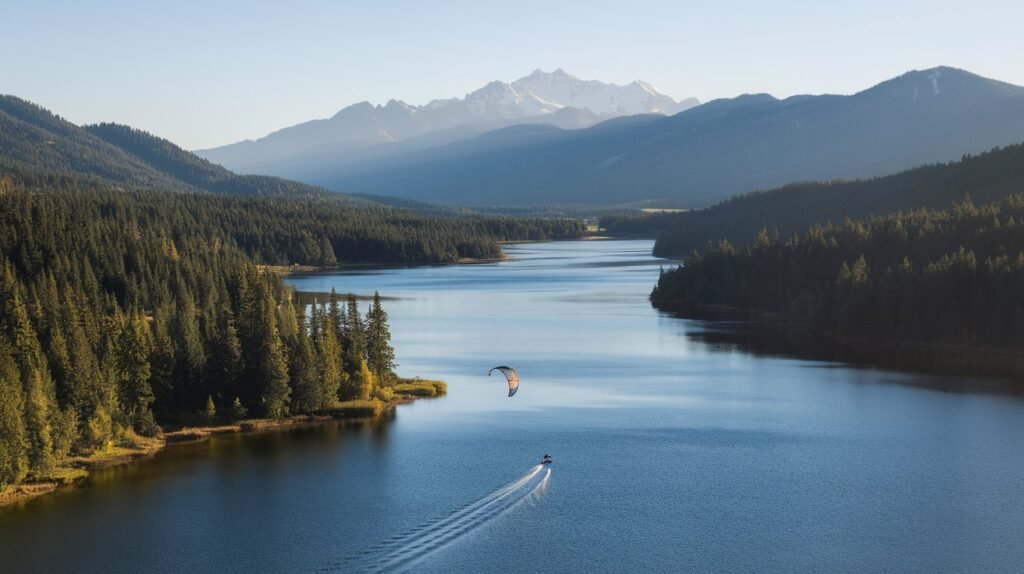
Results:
[693, 158]
[556, 98]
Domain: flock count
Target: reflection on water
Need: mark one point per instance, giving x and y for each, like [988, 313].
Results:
[958, 370]
[675, 449]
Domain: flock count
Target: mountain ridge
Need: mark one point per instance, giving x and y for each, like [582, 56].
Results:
[34, 139]
[556, 98]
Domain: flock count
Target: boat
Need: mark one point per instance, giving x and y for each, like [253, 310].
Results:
[547, 459]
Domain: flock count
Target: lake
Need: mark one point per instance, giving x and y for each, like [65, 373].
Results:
[671, 453]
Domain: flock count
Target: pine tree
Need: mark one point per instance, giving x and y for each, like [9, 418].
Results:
[335, 320]
[226, 363]
[60, 362]
[330, 367]
[83, 378]
[190, 356]
[133, 373]
[380, 356]
[161, 360]
[353, 337]
[302, 367]
[272, 366]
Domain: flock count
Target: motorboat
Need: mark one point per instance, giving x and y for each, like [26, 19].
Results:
[547, 459]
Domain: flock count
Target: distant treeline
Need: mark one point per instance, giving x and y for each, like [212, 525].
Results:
[954, 276]
[794, 208]
[310, 230]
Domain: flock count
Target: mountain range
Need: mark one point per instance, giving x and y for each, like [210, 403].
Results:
[691, 159]
[556, 98]
[696, 157]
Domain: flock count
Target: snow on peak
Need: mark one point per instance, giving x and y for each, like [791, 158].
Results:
[566, 90]
[498, 100]
[555, 97]
[542, 93]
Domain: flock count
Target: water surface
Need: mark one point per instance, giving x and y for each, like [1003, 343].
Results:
[671, 454]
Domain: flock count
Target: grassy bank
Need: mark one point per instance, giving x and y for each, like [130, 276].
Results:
[296, 269]
[420, 388]
[134, 448]
[76, 468]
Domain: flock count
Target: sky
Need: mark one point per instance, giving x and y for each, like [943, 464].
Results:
[208, 73]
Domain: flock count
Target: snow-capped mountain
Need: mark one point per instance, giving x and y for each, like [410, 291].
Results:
[555, 98]
[561, 89]
[498, 100]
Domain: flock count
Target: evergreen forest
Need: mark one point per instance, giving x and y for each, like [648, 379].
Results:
[951, 277]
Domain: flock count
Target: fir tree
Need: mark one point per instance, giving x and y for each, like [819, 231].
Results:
[272, 365]
[330, 368]
[380, 356]
[161, 373]
[133, 374]
[226, 362]
[353, 337]
[302, 370]
[190, 356]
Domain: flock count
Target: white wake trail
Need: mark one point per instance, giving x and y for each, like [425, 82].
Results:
[454, 516]
[440, 539]
[403, 549]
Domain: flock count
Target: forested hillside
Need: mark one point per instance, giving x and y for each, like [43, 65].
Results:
[32, 138]
[118, 312]
[952, 277]
[195, 171]
[987, 177]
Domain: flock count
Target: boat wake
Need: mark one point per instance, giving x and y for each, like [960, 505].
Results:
[404, 549]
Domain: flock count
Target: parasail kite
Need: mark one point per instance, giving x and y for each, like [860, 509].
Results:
[511, 375]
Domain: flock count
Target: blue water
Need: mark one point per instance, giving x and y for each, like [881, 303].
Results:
[670, 455]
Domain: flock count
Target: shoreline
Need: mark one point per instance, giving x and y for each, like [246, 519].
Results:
[77, 468]
[289, 270]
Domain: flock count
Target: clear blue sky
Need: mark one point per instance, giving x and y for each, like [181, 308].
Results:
[212, 72]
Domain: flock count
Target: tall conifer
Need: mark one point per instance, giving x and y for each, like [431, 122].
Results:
[380, 356]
